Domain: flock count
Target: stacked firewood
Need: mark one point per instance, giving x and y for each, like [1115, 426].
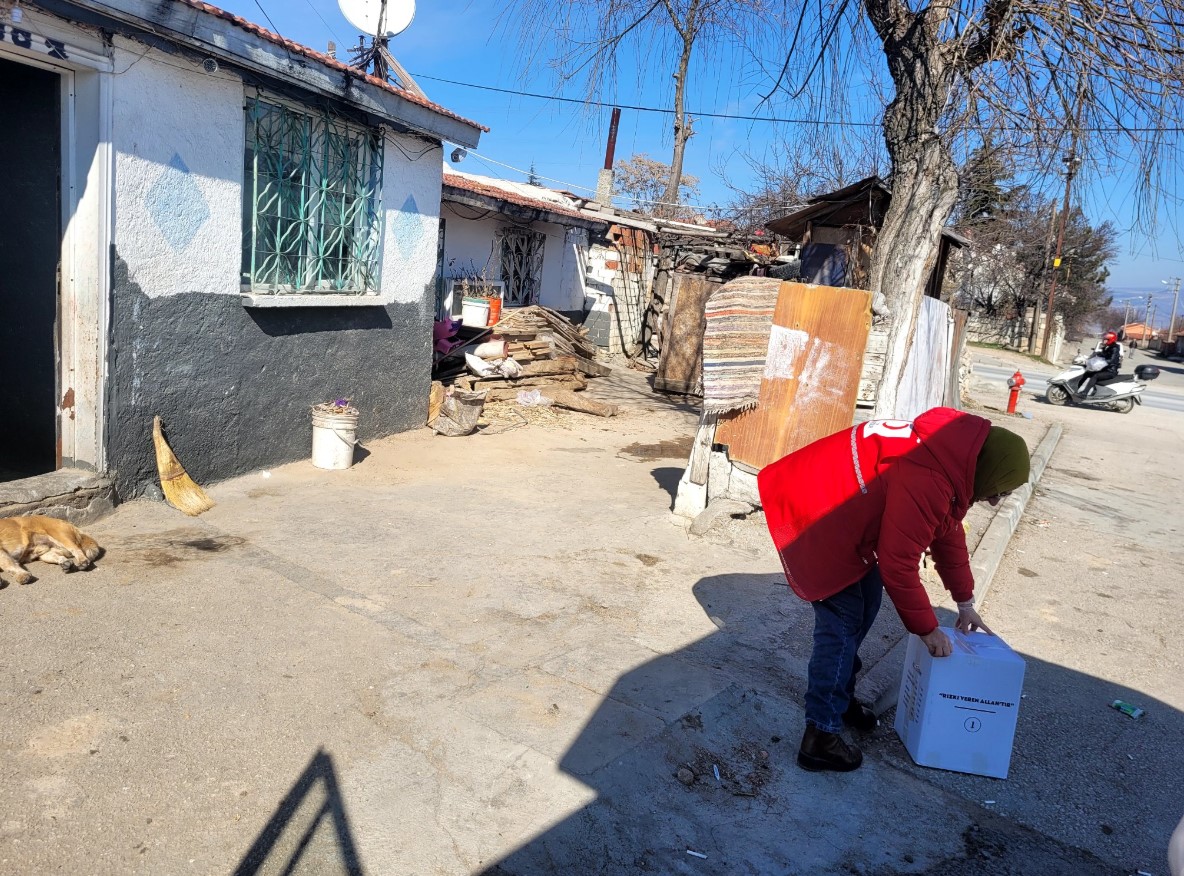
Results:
[536, 332]
[555, 356]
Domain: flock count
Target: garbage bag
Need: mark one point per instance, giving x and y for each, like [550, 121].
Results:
[459, 413]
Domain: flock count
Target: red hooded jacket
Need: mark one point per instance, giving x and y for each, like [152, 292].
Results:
[881, 491]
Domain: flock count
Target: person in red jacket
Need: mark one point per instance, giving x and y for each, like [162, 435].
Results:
[851, 516]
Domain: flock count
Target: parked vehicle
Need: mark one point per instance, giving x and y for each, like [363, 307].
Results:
[1120, 395]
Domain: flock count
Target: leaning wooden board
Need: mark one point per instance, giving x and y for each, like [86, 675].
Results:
[680, 368]
[811, 379]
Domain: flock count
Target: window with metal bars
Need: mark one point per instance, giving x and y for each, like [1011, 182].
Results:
[312, 218]
[522, 265]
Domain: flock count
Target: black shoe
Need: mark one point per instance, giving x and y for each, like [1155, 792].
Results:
[827, 751]
[860, 717]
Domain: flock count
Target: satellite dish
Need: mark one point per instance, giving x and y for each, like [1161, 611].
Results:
[391, 17]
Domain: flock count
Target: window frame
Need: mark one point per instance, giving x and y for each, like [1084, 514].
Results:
[316, 179]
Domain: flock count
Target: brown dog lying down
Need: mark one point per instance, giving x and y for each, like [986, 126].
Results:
[24, 539]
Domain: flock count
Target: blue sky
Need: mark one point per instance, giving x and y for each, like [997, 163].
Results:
[468, 42]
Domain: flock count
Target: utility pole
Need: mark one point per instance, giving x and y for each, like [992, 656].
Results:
[1175, 300]
[1071, 162]
[1052, 231]
[1126, 315]
[1147, 319]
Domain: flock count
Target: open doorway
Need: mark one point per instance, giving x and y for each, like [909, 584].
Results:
[30, 253]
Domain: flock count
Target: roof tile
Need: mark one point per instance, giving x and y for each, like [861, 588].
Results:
[471, 185]
[328, 61]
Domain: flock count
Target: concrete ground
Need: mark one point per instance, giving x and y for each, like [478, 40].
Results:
[500, 654]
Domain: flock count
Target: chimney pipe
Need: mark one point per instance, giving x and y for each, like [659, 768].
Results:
[604, 185]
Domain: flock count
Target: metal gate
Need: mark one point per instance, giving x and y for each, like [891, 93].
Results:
[522, 265]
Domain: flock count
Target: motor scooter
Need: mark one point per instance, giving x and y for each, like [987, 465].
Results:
[1120, 395]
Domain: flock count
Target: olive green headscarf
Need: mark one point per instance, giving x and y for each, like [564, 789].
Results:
[1003, 464]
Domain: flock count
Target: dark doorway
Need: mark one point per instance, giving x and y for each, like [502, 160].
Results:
[30, 249]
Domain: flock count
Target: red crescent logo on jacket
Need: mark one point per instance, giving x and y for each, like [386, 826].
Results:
[898, 429]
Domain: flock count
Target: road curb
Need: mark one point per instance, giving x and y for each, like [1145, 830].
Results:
[881, 684]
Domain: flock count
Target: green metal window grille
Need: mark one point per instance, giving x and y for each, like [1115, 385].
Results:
[312, 218]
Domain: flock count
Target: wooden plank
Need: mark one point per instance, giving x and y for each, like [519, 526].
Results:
[435, 400]
[698, 464]
[680, 368]
[953, 398]
[812, 374]
[565, 398]
[558, 365]
[511, 393]
[592, 369]
[569, 381]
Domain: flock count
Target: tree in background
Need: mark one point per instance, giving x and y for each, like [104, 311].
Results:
[591, 38]
[1093, 79]
[1081, 289]
[1008, 269]
[791, 172]
[982, 196]
[645, 183]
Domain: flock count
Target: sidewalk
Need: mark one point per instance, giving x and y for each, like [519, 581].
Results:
[494, 653]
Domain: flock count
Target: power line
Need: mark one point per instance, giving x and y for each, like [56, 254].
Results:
[570, 185]
[527, 172]
[646, 109]
[328, 26]
[275, 29]
[835, 123]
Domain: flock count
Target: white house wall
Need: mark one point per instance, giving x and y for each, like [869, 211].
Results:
[179, 138]
[616, 298]
[468, 245]
[471, 250]
[551, 286]
[234, 384]
[411, 200]
[573, 271]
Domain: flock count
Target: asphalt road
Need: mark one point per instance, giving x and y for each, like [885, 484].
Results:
[1166, 393]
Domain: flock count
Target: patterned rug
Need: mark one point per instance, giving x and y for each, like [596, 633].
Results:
[735, 342]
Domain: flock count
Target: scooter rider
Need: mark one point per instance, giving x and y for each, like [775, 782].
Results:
[1111, 351]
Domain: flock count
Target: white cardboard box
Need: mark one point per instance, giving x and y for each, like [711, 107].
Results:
[959, 712]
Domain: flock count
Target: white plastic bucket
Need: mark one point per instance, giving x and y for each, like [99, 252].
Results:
[333, 439]
[474, 312]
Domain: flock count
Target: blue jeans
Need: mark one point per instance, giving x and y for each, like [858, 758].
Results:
[840, 624]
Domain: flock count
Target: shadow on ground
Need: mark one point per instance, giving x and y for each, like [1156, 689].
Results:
[717, 790]
[667, 479]
[309, 831]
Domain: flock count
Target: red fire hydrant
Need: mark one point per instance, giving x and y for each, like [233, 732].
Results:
[1016, 381]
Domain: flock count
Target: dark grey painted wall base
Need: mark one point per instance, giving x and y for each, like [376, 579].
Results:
[233, 386]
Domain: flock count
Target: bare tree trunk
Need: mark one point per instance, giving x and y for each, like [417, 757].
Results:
[924, 192]
[924, 182]
[682, 133]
